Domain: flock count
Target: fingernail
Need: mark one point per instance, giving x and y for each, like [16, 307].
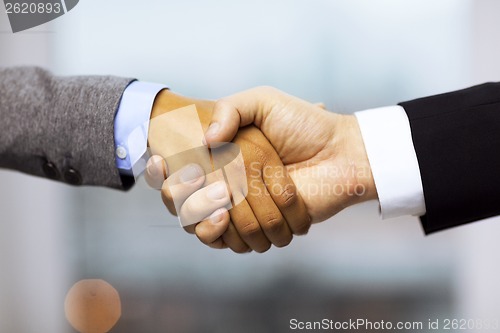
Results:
[216, 216]
[154, 165]
[212, 130]
[217, 191]
[150, 168]
[190, 174]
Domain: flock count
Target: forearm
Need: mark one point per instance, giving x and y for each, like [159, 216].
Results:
[60, 127]
[432, 157]
[456, 136]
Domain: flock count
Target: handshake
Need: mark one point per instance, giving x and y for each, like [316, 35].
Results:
[302, 165]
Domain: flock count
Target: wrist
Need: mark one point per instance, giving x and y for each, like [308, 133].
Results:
[167, 101]
[177, 123]
[355, 150]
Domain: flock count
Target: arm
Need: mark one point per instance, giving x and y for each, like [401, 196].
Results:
[456, 138]
[323, 152]
[64, 129]
[60, 128]
[439, 162]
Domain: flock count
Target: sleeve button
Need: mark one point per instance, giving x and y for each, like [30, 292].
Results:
[72, 177]
[50, 171]
[121, 153]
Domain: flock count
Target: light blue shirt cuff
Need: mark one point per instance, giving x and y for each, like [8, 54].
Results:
[132, 126]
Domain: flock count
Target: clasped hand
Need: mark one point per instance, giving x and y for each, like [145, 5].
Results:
[303, 165]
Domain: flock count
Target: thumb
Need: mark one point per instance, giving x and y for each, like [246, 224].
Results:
[156, 172]
[235, 111]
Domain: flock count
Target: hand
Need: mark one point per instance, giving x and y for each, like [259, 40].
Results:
[271, 212]
[323, 152]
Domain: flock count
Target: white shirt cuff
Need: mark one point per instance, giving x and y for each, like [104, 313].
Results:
[132, 126]
[387, 136]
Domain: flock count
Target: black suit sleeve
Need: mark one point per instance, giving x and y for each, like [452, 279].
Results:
[457, 141]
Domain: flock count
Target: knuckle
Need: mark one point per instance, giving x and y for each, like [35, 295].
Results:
[266, 89]
[273, 223]
[288, 196]
[250, 230]
[232, 239]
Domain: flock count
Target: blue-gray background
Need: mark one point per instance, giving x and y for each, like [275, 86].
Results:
[351, 55]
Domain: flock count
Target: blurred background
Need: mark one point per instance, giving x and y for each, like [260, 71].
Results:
[351, 55]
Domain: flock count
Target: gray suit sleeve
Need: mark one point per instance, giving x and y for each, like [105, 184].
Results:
[60, 128]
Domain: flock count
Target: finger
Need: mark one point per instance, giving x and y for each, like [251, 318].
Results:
[239, 110]
[248, 227]
[166, 198]
[190, 229]
[218, 244]
[180, 185]
[268, 215]
[200, 207]
[321, 105]
[156, 172]
[285, 195]
[204, 202]
[210, 230]
[233, 240]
